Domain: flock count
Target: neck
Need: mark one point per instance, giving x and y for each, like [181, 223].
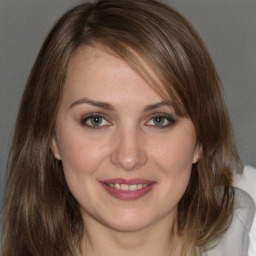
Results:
[158, 239]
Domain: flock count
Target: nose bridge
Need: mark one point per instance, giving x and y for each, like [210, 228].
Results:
[128, 151]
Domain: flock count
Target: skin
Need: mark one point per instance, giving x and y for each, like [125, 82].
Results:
[129, 143]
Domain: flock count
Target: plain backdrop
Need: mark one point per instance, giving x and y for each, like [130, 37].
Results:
[228, 28]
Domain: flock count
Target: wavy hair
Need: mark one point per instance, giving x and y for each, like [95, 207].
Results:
[41, 217]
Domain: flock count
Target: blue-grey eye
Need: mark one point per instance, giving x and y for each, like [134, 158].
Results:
[160, 121]
[94, 121]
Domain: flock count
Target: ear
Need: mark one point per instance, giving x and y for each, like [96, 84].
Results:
[55, 148]
[197, 153]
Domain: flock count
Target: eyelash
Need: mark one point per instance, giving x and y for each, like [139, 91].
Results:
[171, 121]
[93, 115]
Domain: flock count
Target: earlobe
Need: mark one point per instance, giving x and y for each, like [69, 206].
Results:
[55, 148]
[197, 154]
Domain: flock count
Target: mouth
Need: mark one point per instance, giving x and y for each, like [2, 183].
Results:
[127, 189]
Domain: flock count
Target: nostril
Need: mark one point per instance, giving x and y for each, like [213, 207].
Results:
[128, 151]
[128, 162]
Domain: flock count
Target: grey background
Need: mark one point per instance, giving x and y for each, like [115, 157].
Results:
[228, 28]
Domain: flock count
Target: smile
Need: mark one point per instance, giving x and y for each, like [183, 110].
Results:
[127, 189]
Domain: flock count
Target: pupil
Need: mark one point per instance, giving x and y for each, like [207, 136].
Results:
[158, 120]
[96, 120]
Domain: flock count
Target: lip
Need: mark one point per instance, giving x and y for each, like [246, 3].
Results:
[128, 181]
[127, 194]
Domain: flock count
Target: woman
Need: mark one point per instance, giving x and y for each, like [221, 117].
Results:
[123, 144]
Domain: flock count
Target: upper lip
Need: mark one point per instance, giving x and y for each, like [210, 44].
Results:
[127, 181]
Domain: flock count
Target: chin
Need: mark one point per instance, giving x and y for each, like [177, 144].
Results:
[128, 226]
[127, 221]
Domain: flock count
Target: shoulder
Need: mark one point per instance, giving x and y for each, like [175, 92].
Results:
[236, 241]
[244, 208]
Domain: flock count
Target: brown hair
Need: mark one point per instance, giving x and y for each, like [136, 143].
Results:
[41, 217]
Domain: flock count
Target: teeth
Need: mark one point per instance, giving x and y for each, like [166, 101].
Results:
[133, 187]
[117, 186]
[125, 187]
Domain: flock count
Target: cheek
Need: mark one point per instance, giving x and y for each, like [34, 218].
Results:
[174, 158]
[175, 162]
[175, 154]
[81, 155]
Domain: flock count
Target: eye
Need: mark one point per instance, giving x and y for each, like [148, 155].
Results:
[94, 121]
[161, 121]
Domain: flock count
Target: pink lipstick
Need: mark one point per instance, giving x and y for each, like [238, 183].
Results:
[127, 189]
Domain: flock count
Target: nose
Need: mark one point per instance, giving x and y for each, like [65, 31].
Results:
[129, 152]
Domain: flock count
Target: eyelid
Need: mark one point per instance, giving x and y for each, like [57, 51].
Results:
[88, 116]
[168, 117]
[171, 120]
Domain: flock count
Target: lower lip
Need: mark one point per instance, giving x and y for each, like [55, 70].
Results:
[127, 194]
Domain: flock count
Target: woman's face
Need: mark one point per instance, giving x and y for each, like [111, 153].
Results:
[126, 154]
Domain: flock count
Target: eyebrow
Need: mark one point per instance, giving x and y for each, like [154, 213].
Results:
[99, 104]
[158, 105]
[110, 107]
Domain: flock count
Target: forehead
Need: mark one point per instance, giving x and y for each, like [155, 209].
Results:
[89, 63]
[123, 55]
[99, 73]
